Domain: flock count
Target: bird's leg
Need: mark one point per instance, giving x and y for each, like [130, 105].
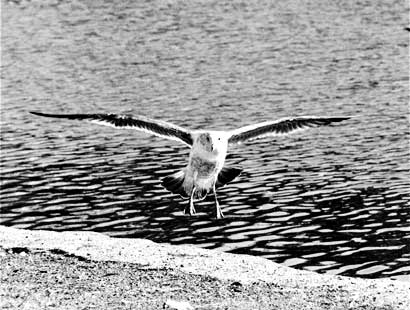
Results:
[218, 210]
[190, 209]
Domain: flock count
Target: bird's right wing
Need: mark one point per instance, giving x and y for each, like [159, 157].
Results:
[279, 127]
[155, 127]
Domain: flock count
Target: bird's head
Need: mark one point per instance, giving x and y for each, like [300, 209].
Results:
[205, 141]
[212, 142]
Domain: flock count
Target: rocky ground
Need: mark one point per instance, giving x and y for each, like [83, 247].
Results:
[49, 270]
[54, 281]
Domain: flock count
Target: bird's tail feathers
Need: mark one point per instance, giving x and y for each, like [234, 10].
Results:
[175, 183]
[227, 175]
[200, 194]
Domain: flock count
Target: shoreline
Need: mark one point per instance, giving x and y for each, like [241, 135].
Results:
[277, 286]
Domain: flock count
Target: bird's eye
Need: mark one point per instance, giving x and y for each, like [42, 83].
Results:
[219, 139]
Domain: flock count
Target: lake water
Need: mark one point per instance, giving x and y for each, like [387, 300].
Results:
[333, 199]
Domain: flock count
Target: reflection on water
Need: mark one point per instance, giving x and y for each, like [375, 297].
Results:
[334, 199]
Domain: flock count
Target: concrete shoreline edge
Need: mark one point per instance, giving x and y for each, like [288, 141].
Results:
[381, 293]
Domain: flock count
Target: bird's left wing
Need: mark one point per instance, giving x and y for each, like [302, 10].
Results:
[279, 127]
[155, 127]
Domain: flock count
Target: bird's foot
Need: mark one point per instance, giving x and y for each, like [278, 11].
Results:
[190, 209]
[219, 214]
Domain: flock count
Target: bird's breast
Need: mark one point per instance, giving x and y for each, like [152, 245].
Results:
[204, 167]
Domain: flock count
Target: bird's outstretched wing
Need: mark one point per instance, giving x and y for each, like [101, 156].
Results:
[158, 128]
[279, 127]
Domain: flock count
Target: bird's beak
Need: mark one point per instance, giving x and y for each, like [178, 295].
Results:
[214, 149]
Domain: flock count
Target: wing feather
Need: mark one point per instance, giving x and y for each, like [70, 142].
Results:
[280, 127]
[155, 127]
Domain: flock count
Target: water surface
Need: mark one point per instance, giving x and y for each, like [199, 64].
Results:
[333, 199]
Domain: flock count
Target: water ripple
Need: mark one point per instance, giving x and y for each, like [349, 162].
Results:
[334, 200]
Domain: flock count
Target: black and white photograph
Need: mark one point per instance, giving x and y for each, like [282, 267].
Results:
[192, 155]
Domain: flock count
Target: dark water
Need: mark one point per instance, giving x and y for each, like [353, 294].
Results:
[334, 200]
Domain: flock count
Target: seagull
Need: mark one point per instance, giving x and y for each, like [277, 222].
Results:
[205, 171]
